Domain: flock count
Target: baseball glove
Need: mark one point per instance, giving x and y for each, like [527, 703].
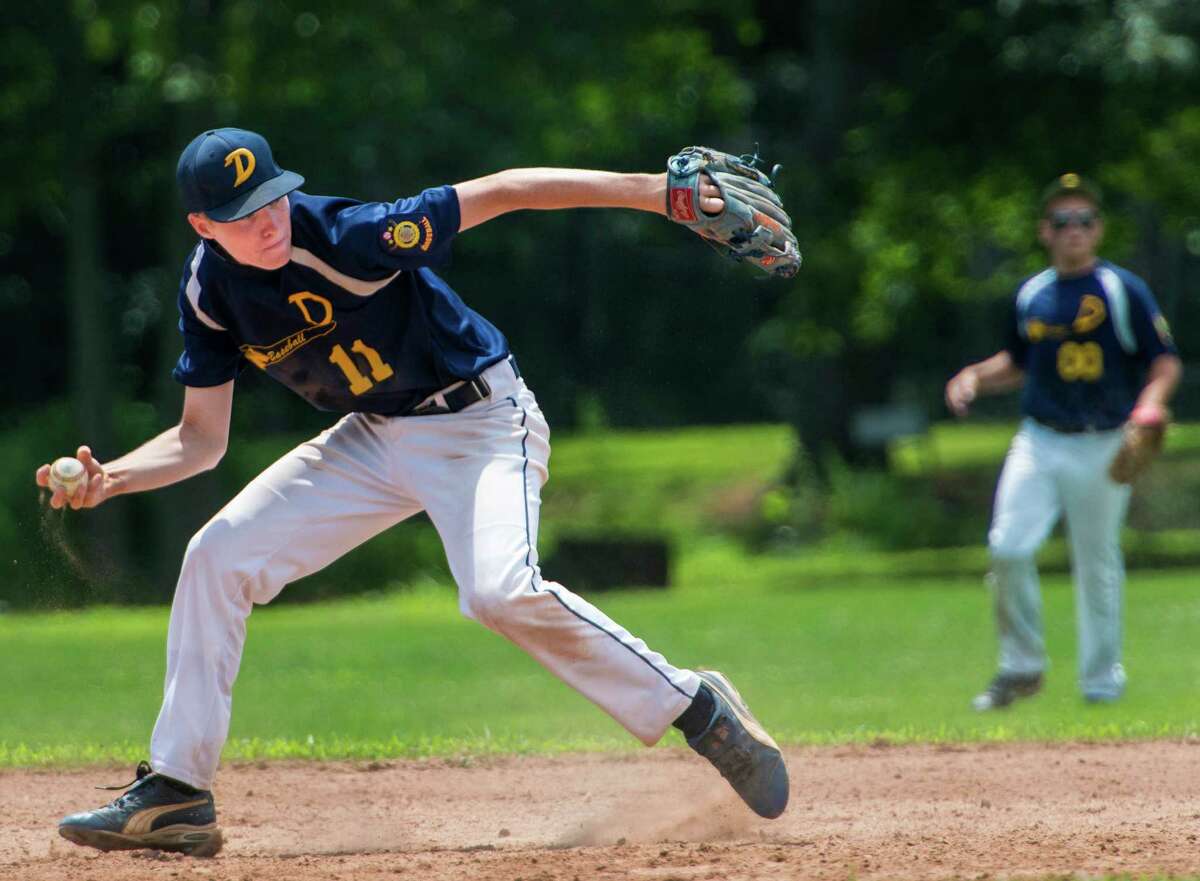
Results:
[1141, 444]
[752, 226]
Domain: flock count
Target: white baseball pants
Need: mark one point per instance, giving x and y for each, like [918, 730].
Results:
[1045, 475]
[479, 474]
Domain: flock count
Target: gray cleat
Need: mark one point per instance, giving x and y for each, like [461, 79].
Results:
[741, 750]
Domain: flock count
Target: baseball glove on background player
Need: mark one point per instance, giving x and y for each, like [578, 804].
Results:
[752, 226]
[1143, 441]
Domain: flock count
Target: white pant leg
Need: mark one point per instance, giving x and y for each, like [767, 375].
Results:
[1026, 509]
[1095, 509]
[317, 502]
[482, 471]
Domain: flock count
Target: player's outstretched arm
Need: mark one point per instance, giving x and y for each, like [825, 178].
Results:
[998, 373]
[196, 444]
[548, 189]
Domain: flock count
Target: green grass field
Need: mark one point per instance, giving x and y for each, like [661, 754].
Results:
[821, 660]
[831, 643]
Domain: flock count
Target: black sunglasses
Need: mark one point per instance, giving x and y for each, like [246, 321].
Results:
[1086, 218]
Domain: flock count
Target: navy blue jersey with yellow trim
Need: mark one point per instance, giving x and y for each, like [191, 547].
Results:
[356, 321]
[1084, 343]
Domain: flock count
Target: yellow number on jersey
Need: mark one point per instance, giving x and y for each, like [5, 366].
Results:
[1080, 362]
[380, 370]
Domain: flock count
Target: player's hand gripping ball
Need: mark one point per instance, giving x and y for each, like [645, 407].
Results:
[752, 226]
[66, 474]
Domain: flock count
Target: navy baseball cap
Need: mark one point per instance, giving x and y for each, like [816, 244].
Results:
[229, 173]
[1071, 184]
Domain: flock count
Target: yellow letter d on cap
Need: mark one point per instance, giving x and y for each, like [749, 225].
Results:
[243, 163]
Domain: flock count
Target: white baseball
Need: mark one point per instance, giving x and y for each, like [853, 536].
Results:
[67, 474]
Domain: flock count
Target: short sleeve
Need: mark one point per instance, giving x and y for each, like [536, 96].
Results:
[1150, 327]
[1014, 343]
[210, 355]
[378, 238]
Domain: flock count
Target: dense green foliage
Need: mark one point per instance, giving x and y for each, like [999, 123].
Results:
[850, 658]
[915, 138]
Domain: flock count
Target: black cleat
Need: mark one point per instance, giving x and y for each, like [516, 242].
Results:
[1005, 689]
[156, 812]
[741, 750]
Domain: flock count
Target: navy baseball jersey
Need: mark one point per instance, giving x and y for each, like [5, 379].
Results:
[356, 321]
[1084, 343]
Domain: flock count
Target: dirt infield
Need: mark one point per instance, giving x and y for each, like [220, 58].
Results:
[920, 812]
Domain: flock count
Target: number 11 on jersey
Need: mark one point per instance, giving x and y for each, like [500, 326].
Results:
[359, 383]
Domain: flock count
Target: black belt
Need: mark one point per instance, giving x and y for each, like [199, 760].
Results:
[472, 391]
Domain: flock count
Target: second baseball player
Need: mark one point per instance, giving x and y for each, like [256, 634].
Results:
[1088, 346]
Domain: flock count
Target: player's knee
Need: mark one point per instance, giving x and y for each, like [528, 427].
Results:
[489, 606]
[495, 599]
[1008, 550]
[201, 550]
[210, 555]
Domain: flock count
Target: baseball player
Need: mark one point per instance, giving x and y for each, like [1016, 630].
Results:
[337, 300]
[1097, 367]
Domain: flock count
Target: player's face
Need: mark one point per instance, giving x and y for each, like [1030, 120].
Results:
[1071, 229]
[262, 239]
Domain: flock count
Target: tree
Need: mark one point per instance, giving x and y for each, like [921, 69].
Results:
[930, 130]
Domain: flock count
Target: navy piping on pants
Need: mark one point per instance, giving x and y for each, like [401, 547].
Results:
[536, 577]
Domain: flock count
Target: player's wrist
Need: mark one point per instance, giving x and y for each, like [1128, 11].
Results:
[653, 193]
[113, 483]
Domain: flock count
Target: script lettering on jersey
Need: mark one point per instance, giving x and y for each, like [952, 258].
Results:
[243, 164]
[1091, 315]
[263, 357]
